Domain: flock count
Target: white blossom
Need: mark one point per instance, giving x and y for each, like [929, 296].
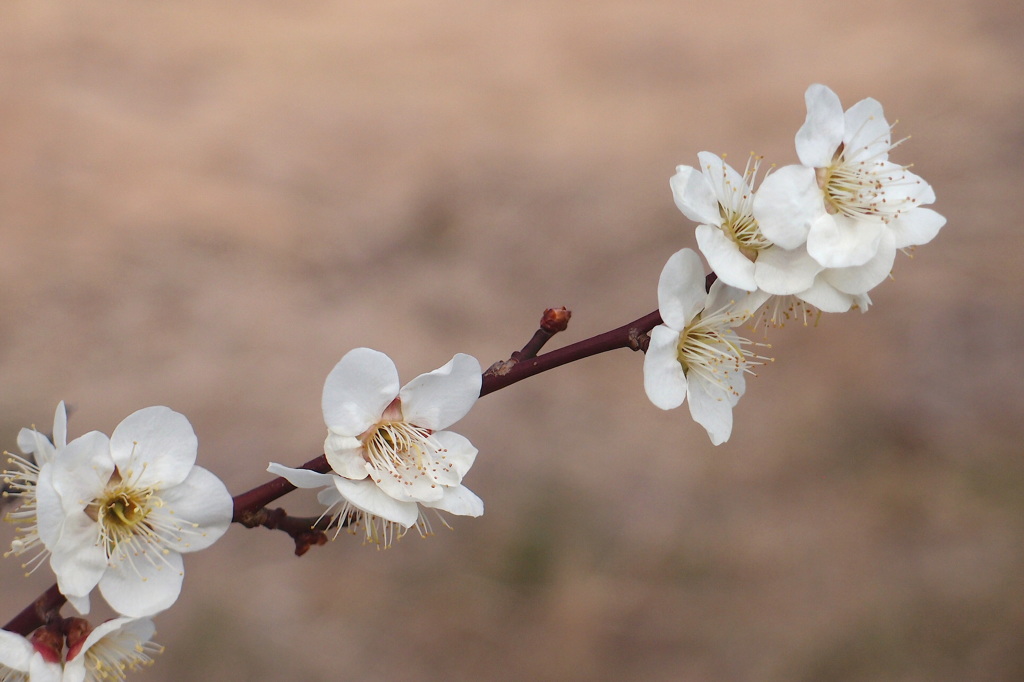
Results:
[846, 201]
[118, 512]
[696, 354]
[389, 453]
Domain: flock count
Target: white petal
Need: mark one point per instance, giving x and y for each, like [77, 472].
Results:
[710, 407]
[15, 651]
[826, 297]
[724, 181]
[783, 272]
[345, 455]
[459, 500]
[438, 399]
[725, 258]
[837, 241]
[917, 226]
[82, 471]
[681, 290]
[201, 506]
[372, 500]
[458, 450]
[867, 136]
[154, 446]
[144, 587]
[50, 512]
[60, 425]
[863, 278]
[357, 390]
[408, 484]
[39, 670]
[664, 379]
[786, 205]
[77, 558]
[694, 196]
[822, 131]
[742, 304]
[301, 478]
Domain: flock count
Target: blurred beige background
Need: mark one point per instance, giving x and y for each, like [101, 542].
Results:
[205, 204]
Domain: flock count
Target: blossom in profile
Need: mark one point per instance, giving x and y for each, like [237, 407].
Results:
[846, 200]
[21, 481]
[696, 355]
[119, 512]
[389, 452]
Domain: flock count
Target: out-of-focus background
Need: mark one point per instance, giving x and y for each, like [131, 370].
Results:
[205, 204]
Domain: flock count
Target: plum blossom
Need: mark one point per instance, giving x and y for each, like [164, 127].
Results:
[846, 201]
[35, 658]
[118, 512]
[387, 447]
[21, 481]
[696, 354]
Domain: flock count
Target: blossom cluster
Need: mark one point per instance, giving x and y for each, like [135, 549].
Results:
[818, 234]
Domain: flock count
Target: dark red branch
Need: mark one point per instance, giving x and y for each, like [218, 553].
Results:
[45, 608]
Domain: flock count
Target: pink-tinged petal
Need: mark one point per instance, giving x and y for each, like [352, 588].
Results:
[357, 390]
[826, 297]
[301, 478]
[710, 408]
[345, 455]
[868, 136]
[915, 227]
[145, 585]
[408, 484]
[438, 399]
[82, 471]
[822, 131]
[863, 278]
[15, 651]
[725, 258]
[460, 501]
[369, 498]
[458, 451]
[786, 205]
[783, 272]
[200, 506]
[154, 446]
[837, 241]
[681, 290]
[664, 379]
[77, 558]
[694, 196]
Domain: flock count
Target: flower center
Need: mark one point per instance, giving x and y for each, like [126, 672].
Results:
[122, 513]
[867, 188]
[735, 205]
[709, 348]
[393, 445]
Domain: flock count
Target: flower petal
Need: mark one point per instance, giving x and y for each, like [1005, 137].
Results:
[438, 399]
[694, 196]
[837, 241]
[357, 390]
[143, 585]
[15, 651]
[200, 506]
[664, 379]
[458, 500]
[826, 297]
[710, 407]
[822, 131]
[863, 278]
[457, 450]
[868, 135]
[407, 483]
[301, 478]
[725, 258]
[783, 272]
[345, 455]
[681, 290]
[154, 446]
[77, 558]
[372, 500]
[787, 203]
[82, 471]
[917, 226]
